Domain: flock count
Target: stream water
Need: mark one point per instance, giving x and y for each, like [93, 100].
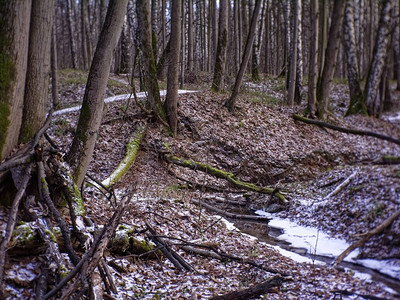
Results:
[307, 244]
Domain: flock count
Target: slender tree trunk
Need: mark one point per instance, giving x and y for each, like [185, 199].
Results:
[163, 24]
[183, 50]
[125, 62]
[298, 94]
[190, 42]
[171, 101]
[356, 99]
[396, 43]
[91, 114]
[153, 90]
[324, 33]
[313, 63]
[293, 54]
[38, 69]
[378, 61]
[14, 34]
[236, 35]
[71, 35]
[214, 28]
[219, 71]
[323, 88]
[250, 39]
[53, 66]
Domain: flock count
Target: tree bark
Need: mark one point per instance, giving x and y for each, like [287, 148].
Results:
[313, 63]
[171, 101]
[378, 61]
[356, 100]
[14, 37]
[293, 54]
[250, 38]
[91, 114]
[153, 90]
[324, 82]
[71, 35]
[38, 69]
[219, 70]
[190, 43]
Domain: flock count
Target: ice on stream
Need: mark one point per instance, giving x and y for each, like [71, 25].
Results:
[319, 243]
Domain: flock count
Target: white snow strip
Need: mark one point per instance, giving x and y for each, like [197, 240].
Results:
[319, 243]
[116, 98]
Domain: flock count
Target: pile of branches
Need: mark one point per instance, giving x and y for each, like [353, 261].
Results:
[37, 183]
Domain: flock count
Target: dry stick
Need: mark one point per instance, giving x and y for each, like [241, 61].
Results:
[109, 276]
[95, 252]
[341, 186]
[45, 195]
[231, 215]
[11, 224]
[366, 237]
[347, 130]
[253, 291]
[174, 257]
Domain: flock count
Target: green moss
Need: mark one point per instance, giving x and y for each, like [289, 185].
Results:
[390, 159]
[22, 234]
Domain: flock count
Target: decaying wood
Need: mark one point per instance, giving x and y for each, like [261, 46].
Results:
[230, 177]
[253, 291]
[347, 130]
[231, 215]
[172, 256]
[366, 237]
[45, 195]
[11, 224]
[132, 149]
[342, 185]
[93, 255]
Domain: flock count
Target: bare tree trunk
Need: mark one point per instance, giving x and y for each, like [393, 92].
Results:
[53, 66]
[298, 94]
[91, 114]
[236, 35]
[250, 39]
[378, 61]
[183, 50]
[190, 46]
[171, 101]
[356, 99]
[293, 54]
[71, 35]
[38, 69]
[153, 90]
[125, 39]
[163, 24]
[219, 71]
[324, 33]
[313, 63]
[323, 88]
[396, 43]
[14, 34]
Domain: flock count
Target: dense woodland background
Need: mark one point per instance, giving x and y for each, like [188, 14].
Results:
[174, 43]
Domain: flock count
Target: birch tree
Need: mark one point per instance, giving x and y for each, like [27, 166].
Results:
[356, 99]
[378, 60]
[91, 113]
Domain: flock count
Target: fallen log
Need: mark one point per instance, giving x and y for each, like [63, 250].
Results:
[132, 149]
[253, 291]
[231, 215]
[347, 130]
[230, 177]
[366, 237]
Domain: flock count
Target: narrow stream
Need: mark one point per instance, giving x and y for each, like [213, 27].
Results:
[307, 244]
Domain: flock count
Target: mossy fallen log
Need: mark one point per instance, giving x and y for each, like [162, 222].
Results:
[347, 130]
[230, 177]
[132, 149]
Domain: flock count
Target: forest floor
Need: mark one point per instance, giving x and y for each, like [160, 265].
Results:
[262, 144]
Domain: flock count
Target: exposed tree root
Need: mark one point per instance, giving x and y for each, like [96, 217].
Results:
[230, 177]
[366, 237]
[347, 130]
